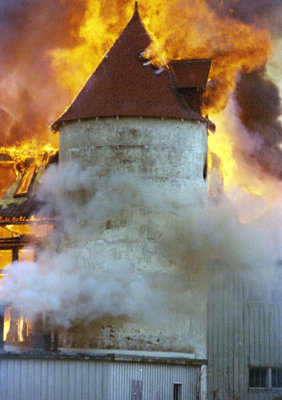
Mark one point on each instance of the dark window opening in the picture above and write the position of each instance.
(276, 377)
(257, 377)
(177, 391)
(192, 97)
(109, 224)
(205, 170)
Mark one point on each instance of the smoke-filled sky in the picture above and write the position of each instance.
(261, 12)
(29, 96)
(257, 96)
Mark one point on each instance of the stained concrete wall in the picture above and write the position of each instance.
(170, 156)
(153, 148)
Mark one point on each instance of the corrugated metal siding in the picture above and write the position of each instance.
(157, 380)
(241, 333)
(265, 334)
(35, 379)
(44, 379)
(227, 367)
(264, 395)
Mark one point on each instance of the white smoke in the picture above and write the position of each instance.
(70, 282)
(52, 285)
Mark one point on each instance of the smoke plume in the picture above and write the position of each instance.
(72, 282)
(68, 280)
(267, 14)
(258, 97)
(29, 96)
(259, 102)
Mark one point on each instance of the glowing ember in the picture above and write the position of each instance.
(20, 153)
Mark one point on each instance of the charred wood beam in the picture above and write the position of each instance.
(25, 220)
(18, 242)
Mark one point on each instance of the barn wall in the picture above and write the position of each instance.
(47, 379)
(227, 369)
(243, 332)
(157, 381)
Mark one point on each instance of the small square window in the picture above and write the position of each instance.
(276, 377)
(257, 377)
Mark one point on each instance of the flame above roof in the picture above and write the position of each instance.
(122, 86)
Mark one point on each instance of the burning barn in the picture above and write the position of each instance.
(126, 317)
(141, 127)
(22, 232)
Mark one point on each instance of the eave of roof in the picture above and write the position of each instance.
(122, 86)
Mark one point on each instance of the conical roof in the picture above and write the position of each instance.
(122, 86)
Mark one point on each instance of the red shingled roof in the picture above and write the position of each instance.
(123, 86)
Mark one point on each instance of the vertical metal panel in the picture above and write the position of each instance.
(136, 390)
(265, 322)
(35, 379)
(157, 380)
(240, 333)
(226, 337)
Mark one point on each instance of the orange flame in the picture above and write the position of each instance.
(28, 150)
(14, 160)
(233, 167)
(21, 329)
(7, 323)
(178, 32)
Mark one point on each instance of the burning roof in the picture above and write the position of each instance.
(19, 202)
(126, 84)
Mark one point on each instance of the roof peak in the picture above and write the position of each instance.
(136, 11)
(124, 85)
